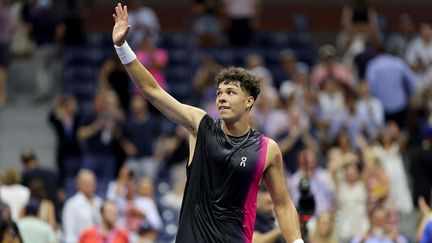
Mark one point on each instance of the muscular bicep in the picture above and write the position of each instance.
(182, 114)
(274, 175)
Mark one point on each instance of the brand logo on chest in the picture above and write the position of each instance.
(243, 161)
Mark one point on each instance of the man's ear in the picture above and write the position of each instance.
(250, 102)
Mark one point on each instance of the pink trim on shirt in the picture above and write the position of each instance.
(250, 204)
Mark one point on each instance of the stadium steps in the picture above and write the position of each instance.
(24, 124)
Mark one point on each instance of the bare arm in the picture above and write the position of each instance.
(86, 132)
(184, 115)
(285, 210)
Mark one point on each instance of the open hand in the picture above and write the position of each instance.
(121, 26)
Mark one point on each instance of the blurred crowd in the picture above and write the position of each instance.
(354, 127)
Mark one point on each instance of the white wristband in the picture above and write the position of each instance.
(125, 53)
(298, 241)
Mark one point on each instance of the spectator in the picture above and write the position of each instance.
(424, 229)
(265, 229)
(369, 106)
(9, 231)
(289, 67)
(356, 124)
(117, 189)
(295, 136)
(145, 23)
(65, 120)
(207, 24)
(426, 237)
(420, 168)
(325, 231)
(21, 45)
(351, 198)
(203, 82)
(398, 41)
(242, 19)
(391, 81)
(146, 203)
(100, 133)
(12, 193)
(380, 229)
(47, 211)
(113, 76)
(359, 26)
(83, 209)
(389, 151)
(6, 34)
(320, 181)
(146, 234)
(419, 56)
(331, 102)
(141, 133)
(375, 178)
(122, 193)
(330, 68)
(153, 58)
(48, 180)
(255, 64)
(33, 229)
(107, 231)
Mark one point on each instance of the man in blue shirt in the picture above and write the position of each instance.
(391, 81)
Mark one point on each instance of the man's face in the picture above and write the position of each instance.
(232, 101)
(109, 214)
(87, 185)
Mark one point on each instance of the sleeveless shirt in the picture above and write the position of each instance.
(219, 203)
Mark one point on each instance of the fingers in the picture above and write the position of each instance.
(115, 17)
(118, 10)
(121, 12)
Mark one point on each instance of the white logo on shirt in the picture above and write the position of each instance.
(243, 161)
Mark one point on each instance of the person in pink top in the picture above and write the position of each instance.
(331, 68)
(155, 59)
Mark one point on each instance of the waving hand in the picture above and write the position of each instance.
(121, 26)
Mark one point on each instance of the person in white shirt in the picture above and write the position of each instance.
(83, 209)
(12, 193)
(145, 203)
(370, 106)
(419, 56)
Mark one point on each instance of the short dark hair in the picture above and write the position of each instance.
(247, 81)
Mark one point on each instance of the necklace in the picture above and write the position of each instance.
(237, 141)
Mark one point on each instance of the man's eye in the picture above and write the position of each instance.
(231, 92)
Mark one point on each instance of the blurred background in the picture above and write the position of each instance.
(346, 91)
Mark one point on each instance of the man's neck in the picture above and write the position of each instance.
(236, 129)
(106, 228)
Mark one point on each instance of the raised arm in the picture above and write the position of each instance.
(184, 115)
(284, 208)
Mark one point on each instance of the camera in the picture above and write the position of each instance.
(306, 205)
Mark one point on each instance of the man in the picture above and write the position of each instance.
(391, 80)
(227, 157)
(107, 231)
(81, 210)
(381, 229)
(33, 173)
